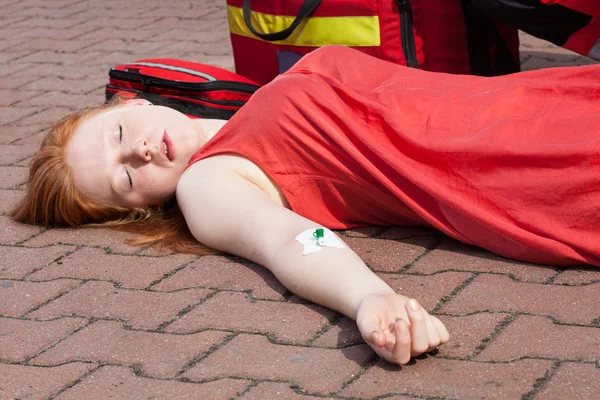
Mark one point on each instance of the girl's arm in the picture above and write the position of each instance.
(227, 212)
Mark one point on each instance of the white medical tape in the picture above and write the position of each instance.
(313, 244)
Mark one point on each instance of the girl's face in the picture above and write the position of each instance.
(132, 155)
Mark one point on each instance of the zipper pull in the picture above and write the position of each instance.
(403, 5)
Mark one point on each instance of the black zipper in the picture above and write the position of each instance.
(407, 36)
(232, 103)
(183, 86)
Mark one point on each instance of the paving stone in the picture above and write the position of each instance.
(225, 61)
(132, 272)
(453, 255)
(198, 11)
(70, 86)
(15, 262)
(57, 34)
(287, 322)
(9, 43)
(428, 290)
(468, 332)
(48, 117)
(52, 4)
(18, 297)
(341, 334)
(401, 232)
(13, 114)
(122, 383)
(133, 36)
(9, 199)
(197, 36)
(103, 21)
(275, 390)
(190, 25)
(7, 81)
(59, 99)
(64, 48)
(22, 339)
(13, 55)
(120, 12)
(127, 45)
(364, 231)
(9, 134)
(450, 378)
(12, 232)
(56, 70)
(139, 309)
(537, 337)
(37, 383)
(548, 59)
(572, 381)
(231, 275)
(157, 252)
(198, 51)
(579, 276)
(11, 177)
(41, 22)
(159, 355)
(389, 255)
(59, 45)
(251, 356)
(12, 69)
(8, 97)
(105, 238)
(569, 304)
(34, 139)
(23, 163)
(124, 45)
(12, 153)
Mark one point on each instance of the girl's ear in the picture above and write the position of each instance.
(137, 102)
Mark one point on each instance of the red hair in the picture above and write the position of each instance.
(52, 199)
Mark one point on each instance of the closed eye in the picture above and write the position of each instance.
(129, 177)
(120, 133)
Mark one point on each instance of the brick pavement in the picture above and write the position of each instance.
(83, 315)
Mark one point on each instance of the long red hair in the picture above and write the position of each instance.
(52, 199)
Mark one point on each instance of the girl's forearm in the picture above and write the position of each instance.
(334, 278)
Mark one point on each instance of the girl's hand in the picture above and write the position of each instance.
(398, 328)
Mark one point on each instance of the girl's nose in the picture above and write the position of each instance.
(141, 150)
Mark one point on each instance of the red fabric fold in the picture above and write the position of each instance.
(508, 163)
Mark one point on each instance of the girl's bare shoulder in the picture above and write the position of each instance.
(231, 165)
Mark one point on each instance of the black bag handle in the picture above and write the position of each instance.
(306, 9)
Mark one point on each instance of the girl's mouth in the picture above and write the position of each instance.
(167, 147)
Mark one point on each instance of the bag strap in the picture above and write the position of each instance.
(306, 9)
(480, 29)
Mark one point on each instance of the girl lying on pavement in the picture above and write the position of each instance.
(342, 140)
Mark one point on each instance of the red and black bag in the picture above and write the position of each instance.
(573, 24)
(192, 88)
(269, 36)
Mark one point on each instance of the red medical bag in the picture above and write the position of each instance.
(269, 36)
(194, 89)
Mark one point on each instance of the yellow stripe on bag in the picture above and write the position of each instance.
(312, 32)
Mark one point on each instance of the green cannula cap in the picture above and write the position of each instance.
(319, 233)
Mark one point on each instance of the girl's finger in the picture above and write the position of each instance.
(418, 328)
(401, 351)
(442, 331)
(377, 337)
(371, 331)
(432, 333)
